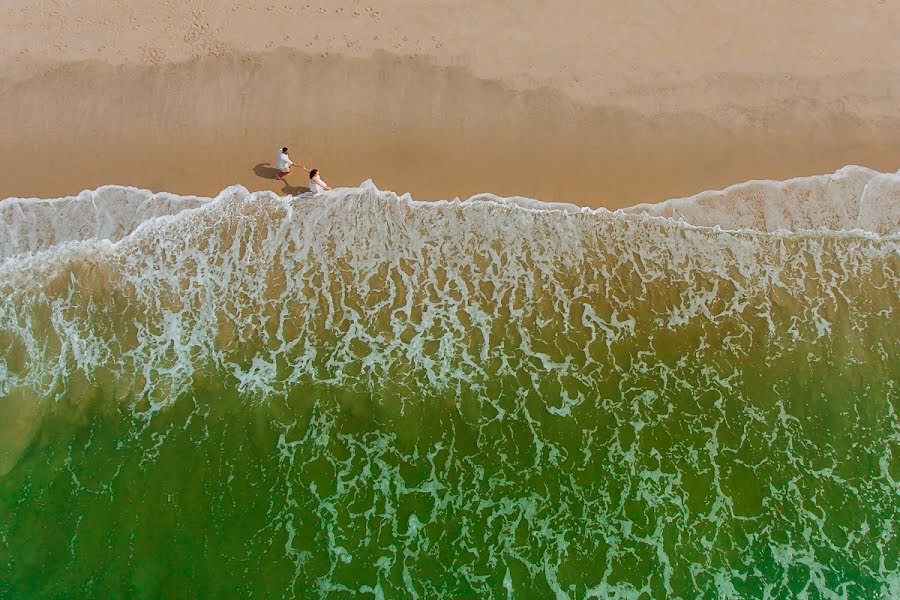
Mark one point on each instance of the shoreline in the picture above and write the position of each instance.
(437, 132)
(852, 202)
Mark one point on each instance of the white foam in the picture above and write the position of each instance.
(851, 199)
(109, 212)
(385, 280)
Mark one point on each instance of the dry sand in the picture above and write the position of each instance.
(599, 103)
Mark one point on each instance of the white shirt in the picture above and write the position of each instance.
(283, 163)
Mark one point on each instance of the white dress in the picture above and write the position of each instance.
(314, 187)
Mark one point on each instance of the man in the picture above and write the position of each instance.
(284, 163)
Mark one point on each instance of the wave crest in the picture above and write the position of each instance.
(852, 199)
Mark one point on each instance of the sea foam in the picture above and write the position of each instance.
(853, 198)
(482, 397)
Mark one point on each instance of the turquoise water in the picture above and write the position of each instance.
(358, 395)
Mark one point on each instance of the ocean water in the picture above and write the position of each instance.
(361, 395)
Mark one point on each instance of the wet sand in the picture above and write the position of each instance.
(639, 107)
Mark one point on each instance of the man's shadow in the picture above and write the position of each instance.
(267, 171)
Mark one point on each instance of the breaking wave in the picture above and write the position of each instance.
(853, 198)
(358, 393)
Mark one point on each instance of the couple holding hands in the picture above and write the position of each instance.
(284, 163)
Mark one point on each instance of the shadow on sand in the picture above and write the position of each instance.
(294, 190)
(265, 170)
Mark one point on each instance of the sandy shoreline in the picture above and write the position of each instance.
(641, 108)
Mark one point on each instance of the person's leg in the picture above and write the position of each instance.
(282, 175)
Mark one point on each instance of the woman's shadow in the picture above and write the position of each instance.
(267, 171)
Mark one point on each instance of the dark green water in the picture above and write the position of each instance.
(362, 397)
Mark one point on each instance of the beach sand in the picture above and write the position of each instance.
(601, 104)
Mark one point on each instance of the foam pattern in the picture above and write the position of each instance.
(358, 394)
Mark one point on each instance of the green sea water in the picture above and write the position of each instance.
(358, 395)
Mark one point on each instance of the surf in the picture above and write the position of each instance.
(853, 198)
(711, 380)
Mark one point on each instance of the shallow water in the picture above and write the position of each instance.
(362, 395)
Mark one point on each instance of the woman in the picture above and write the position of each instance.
(316, 185)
